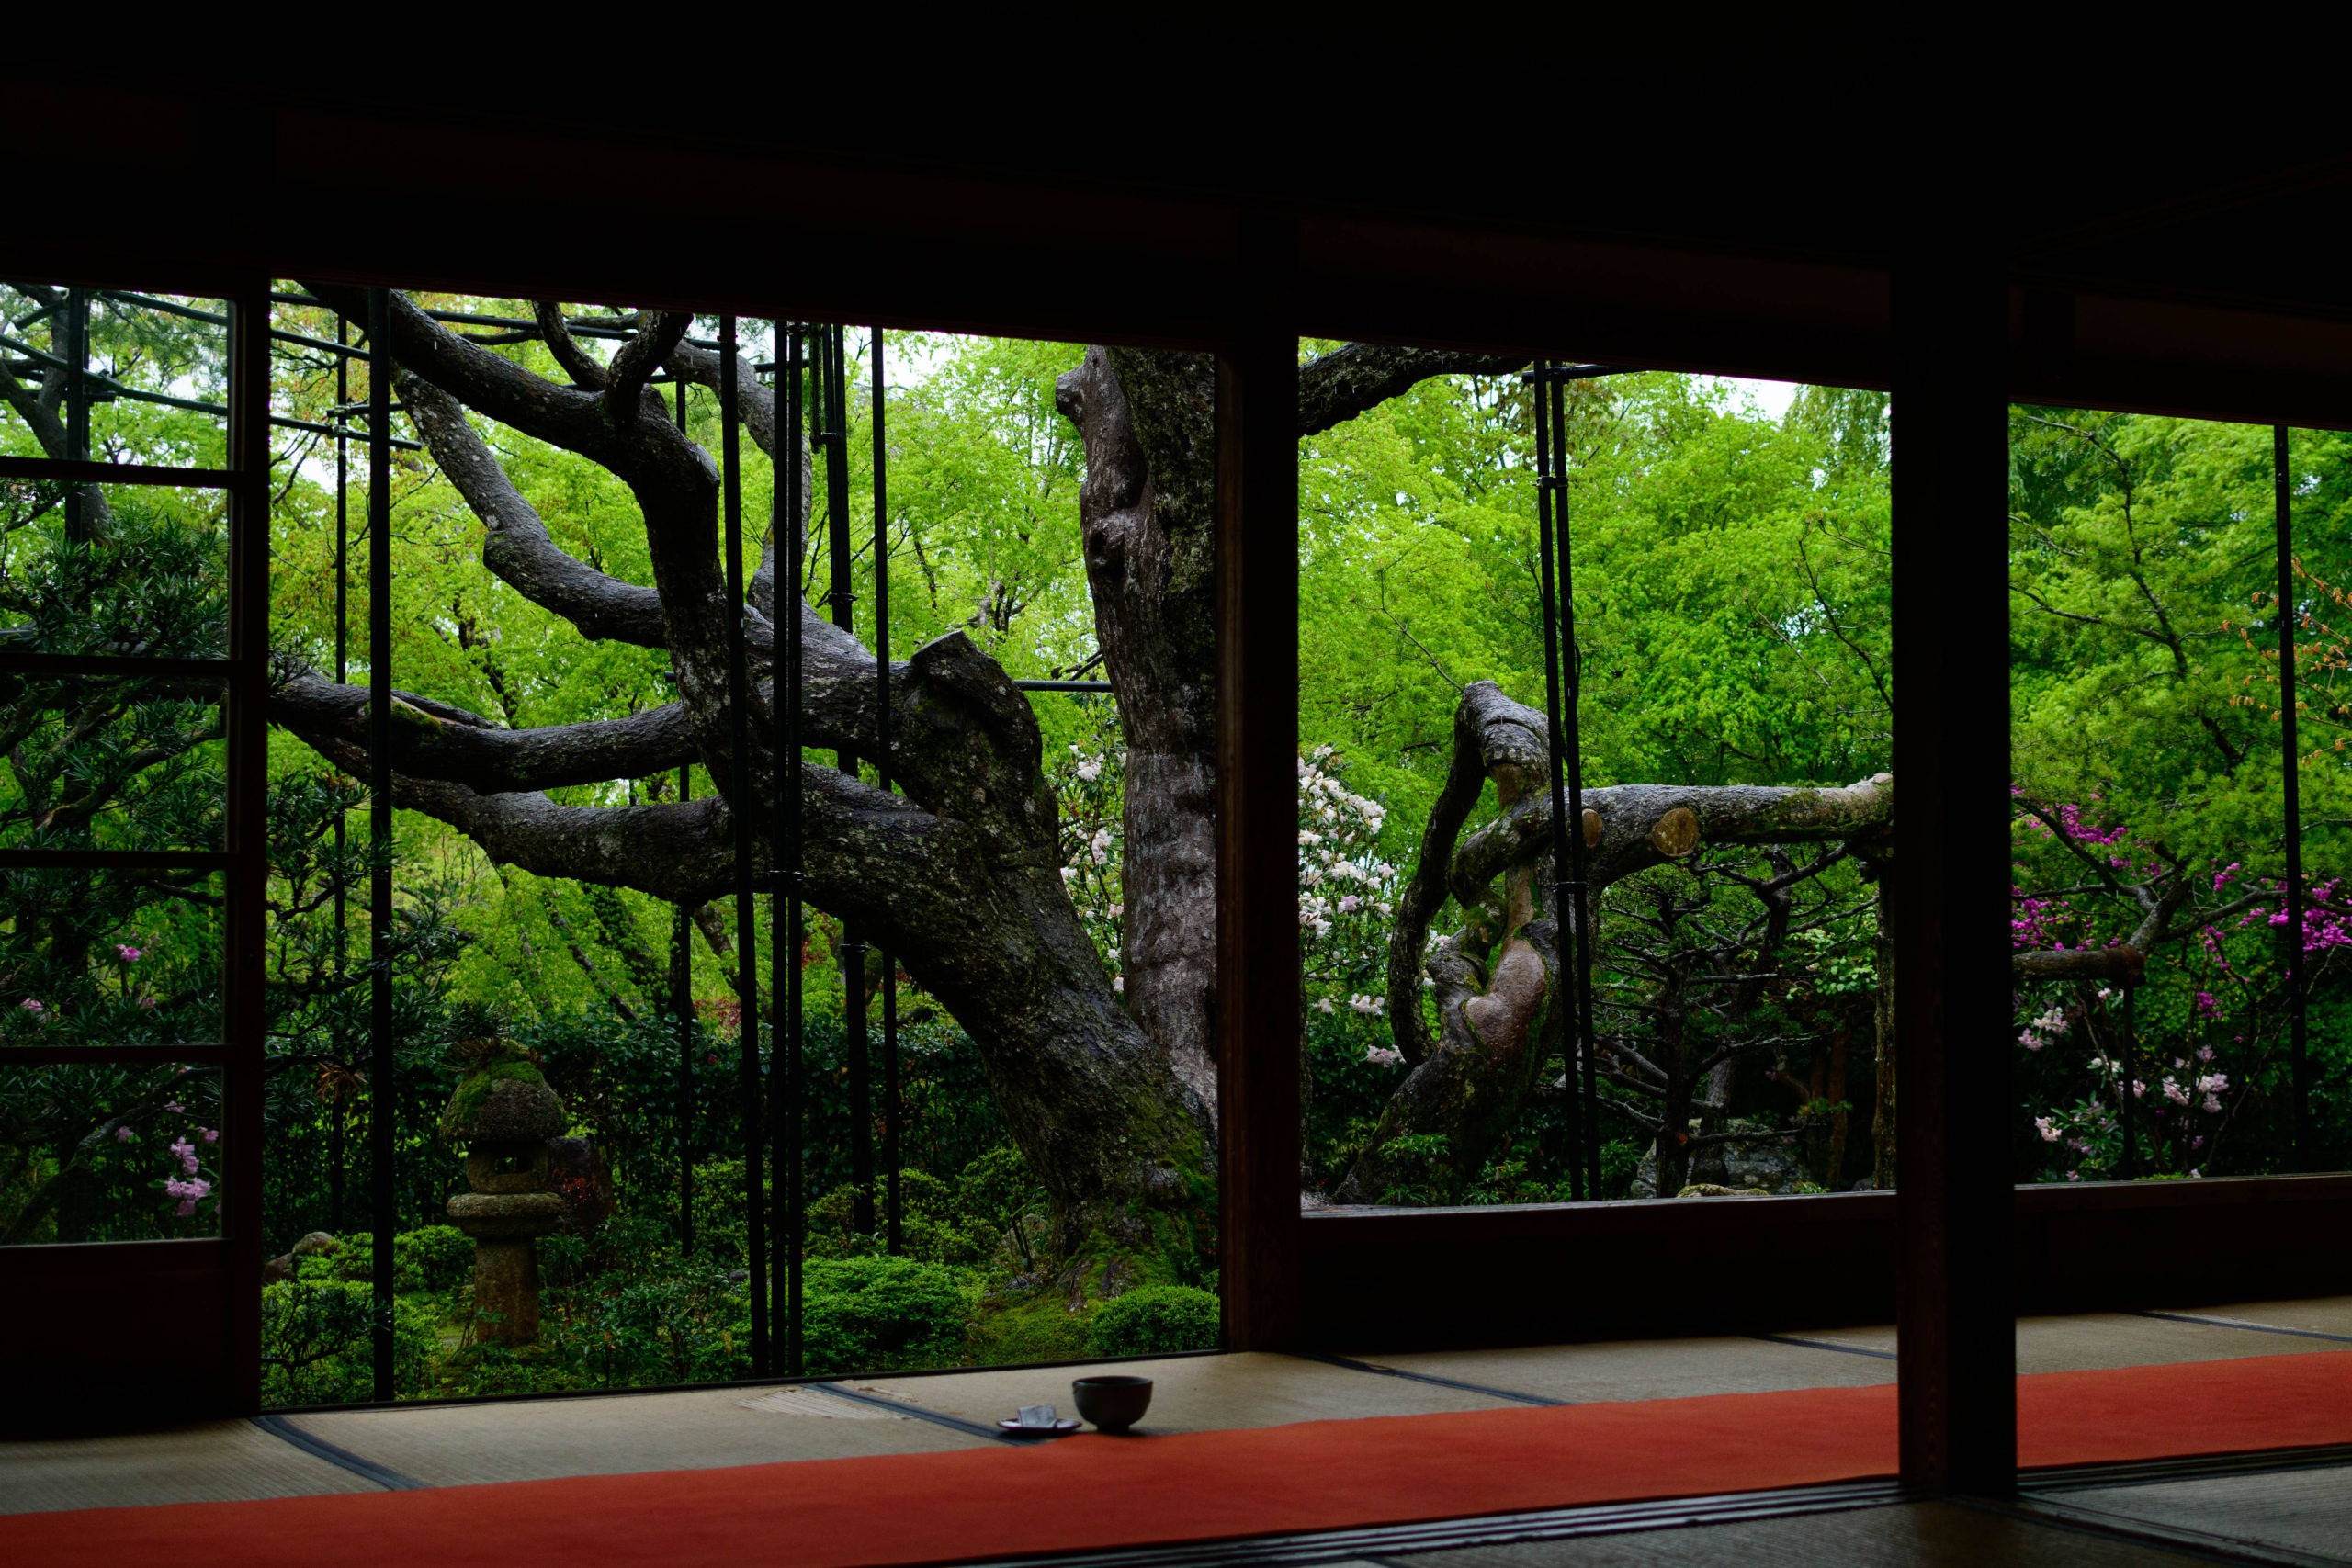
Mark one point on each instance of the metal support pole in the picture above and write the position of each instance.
(682, 992)
(243, 1083)
(833, 436)
(785, 1083)
(381, 1099)
(2291, 782)
(1568, 888)
(893, 1211)
(77, 406)
(337, 1110)
(1572, 696)
(682, 1009)
(739, 793)
(2127, 1099)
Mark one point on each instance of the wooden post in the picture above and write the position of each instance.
(248, 834)
(1957, 1376)
(1257, 994)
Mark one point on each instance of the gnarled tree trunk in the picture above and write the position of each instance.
(1498, 981)
(959, 876)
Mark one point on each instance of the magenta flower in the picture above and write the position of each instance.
(30, 1006)
(187, 1193)
(127, 954)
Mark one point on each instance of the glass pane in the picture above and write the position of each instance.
(110, 958)
(154, 382)
(649, 1275)
(113, 570)
(1730, 602)
(109, 1153)
(2154, 1026)
(112, 763)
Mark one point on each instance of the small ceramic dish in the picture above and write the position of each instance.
(1062, 1428)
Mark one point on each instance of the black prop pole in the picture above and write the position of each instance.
(336, 1154)
(682, 1012)
(894, 1213)
(739, 793)
(785, 1081)
(1579, 902)
(77, 407)
(682, 992)
(2127, 1099)
(2291, 783)
(1546, 485)
(834, 374)
(380, 1097)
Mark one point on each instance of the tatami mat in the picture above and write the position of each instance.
(2303, 1510)
(448, 1445)
(2329, 1315)
(2095, 1340)
(1198, 1393)
(1914, 1535)
(458, 1445)
(218, 1461)
(1647, 1369)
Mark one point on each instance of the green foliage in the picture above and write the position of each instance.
(998, 1194)
(316, 1349)
(438, 1257)
(2144, 690)
(1155, 1319)
(870, 1313)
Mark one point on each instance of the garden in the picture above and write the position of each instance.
(1005, 971)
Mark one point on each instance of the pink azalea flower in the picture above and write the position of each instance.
(127, 954)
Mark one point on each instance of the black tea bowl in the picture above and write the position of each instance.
(1113, 1403)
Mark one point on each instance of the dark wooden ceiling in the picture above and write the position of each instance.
(1650, 185)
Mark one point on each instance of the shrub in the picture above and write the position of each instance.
(1154, 1319)
(662, 1319)
(316, 1349)
(929, 1224)
(435, 1257)
(863, 1314)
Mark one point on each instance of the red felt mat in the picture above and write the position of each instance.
(1092, 1492)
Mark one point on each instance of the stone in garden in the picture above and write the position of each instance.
(281, 1267)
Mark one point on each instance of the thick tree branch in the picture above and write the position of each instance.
(431, 740)
(583, 367)
(639, 357)
(1425, 892)
(1338, 385)
(516, 544)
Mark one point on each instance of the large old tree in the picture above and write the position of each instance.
(1111, 1098)
(1111, 1101)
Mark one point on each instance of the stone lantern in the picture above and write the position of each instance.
(502, 1114)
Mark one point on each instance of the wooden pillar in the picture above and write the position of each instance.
(1957, 1377)
(247, 837)
(1257, 858)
